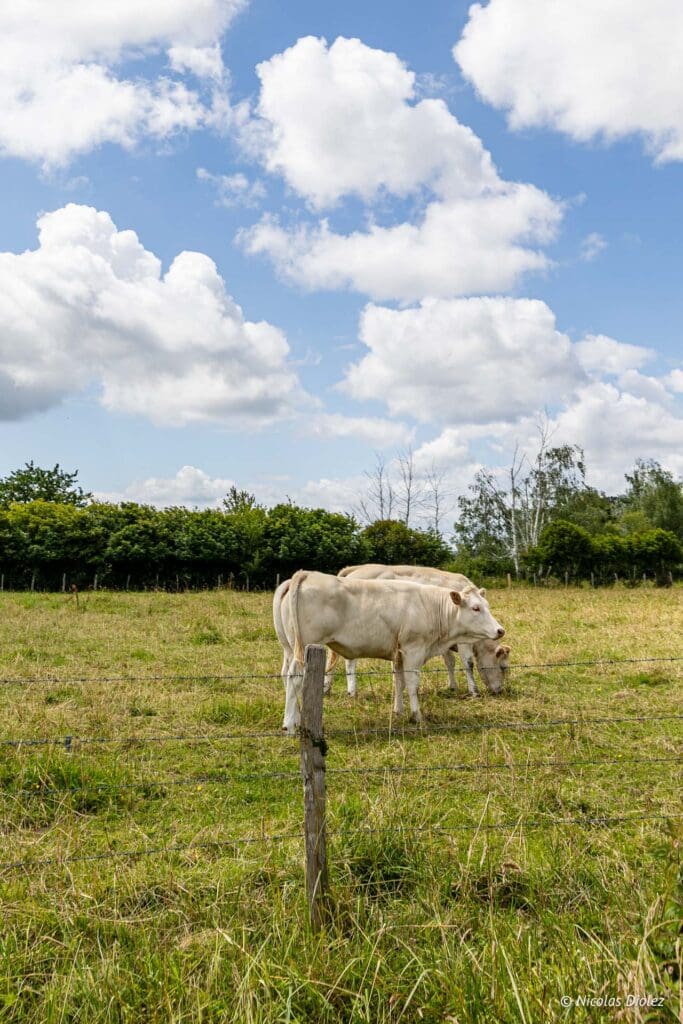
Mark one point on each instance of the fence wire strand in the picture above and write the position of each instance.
(513, 825)
(404, 730)
(216, 677)
(227, 778)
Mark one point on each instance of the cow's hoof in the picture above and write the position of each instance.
(474, 695)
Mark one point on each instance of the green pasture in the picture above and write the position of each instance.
(479, 872)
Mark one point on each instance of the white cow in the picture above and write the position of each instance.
(395, 620)
(492, 658)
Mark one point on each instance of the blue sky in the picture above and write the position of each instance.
(412, 244)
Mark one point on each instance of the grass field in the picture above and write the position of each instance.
(440, 915)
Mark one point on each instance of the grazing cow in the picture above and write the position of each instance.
(395, 620)
(492, 658)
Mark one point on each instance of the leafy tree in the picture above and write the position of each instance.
(506, 511)
(565, 548)
(237, 501)
(654, 492)
(305, 538)
(35, 484)
(658, 552)
(392, 542)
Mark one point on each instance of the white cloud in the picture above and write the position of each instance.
(339, 120)
(61, 91)
(343, 121)
(674, 380)
(598, 353)
(463, 360)
(201, 61)
(608, 69)
(190, 486)
(457, 248)
(378, 432)
(91, 306)
(591, 246)
(233, 189)
(616, 427)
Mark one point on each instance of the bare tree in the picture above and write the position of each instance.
(410, 498)
(379, 499)
(435, 501)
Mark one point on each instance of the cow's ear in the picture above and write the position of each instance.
(456, 597)
(502, 650)
(482, 591)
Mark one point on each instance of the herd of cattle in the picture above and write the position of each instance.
(404, 614)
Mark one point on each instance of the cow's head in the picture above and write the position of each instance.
(474, 617)
(493, 662)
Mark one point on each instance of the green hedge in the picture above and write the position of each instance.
(567, 550)
(138, 546)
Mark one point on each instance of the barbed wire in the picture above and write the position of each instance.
(38, 791)
(217, 677)
(405, 729)
(509, 825)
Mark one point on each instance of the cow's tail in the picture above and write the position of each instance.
(297, 580)
(279, 597)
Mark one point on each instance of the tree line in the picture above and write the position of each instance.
(71, 539)
(536, 520)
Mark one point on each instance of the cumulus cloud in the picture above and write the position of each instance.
(91, 306)
(599, 354)
(339, 120)
(463, 360)
(605, 70)
(64, 88)
(381, 433)
(343, 120)
(616, 427)
(190, 486)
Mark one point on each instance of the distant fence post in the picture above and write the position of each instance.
(277, 580)
(313, 749)
(64, 583)
(509, 580)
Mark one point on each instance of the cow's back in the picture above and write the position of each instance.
(414, 573)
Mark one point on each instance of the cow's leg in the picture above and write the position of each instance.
(284, 671)
(411, 672)
(351, 678)
(449, 662)
(330, 666)
(467, 657)
(293, 695)
(399, 684)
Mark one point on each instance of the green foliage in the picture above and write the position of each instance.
(31, 483)
(565, 548)
(394, 543)
(655, 494)
(141, 546)
(296, 538)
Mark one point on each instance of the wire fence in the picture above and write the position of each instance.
(403, 729)
(46, 789)
(511, 825)
(150, 782)
(241, 676)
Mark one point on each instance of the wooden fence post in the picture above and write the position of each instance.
(313, 749)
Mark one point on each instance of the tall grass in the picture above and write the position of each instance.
(438, 915)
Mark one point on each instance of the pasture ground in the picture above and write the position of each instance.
(436, 919)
